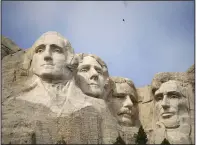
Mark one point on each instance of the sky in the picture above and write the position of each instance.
(156, 36)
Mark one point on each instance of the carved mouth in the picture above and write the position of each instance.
(47, 65)
(167, 114)
(127, 114)
(92, 84)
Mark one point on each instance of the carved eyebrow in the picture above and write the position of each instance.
(56, 46)
(84, 66)
(119, 94)
(97, 67)
(175, 93)
(39, 46)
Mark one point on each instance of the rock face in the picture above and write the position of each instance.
(8, 47)
(12, 80)
(56, 99)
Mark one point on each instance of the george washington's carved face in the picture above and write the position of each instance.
(90, 77)
(50, 57)
(170, 103)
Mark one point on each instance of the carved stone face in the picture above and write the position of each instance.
(90, 77)
(49, 59)
(170, 104)
(123, 104)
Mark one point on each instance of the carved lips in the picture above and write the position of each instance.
(50, 65)
(126, 113)
(167, 114)
(93, 84)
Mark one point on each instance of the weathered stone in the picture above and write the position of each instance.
(52, 103)
(8, 47)
(172, 118)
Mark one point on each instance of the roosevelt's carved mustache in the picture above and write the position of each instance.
(126, 111)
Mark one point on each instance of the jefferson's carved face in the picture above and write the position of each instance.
(123, 104)
(170, 103)
(49, 59)
(90, 77)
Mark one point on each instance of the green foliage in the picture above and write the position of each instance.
(165, 142)
(141, 137)
(61, 141)
(119, 141)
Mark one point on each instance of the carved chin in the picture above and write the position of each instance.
(93, 93)
(125, 121)
(172, 122)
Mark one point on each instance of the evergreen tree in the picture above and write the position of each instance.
(61, 141)
(165, 142)
(33, 138)
(141, 137)
(119, 141)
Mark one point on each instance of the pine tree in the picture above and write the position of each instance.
(61, 141)
(165, 142)
(119, 141)
(141, 137)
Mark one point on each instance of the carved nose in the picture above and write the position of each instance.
(128, 103)
(165, 102)
(47, 54)
(94, 74)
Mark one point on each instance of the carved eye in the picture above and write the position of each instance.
(99, 71)
(57, 50)
(158, 97)
(83, 70)
(174, 96)
(120, 96)
(40, 49)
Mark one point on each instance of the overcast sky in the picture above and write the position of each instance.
(156, 36)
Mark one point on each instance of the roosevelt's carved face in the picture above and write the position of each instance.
(123, 104)
(50, 57)
(170, 104)
(90, 77)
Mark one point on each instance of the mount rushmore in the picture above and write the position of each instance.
(50, 93)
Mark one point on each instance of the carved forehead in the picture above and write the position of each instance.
(51, 38)
(88, 60)
(120, 83)
(123, 80)
(170, 86)
(123, 88)
(80, 57)
(172, 81)
(98, 59)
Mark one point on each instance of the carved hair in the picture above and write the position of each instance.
(181, 78)
(79, 59)
(120, 80)
(30, 52)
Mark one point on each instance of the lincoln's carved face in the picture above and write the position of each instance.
(170, 103)
(90, 77)
(50, 57)
(123, 104)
